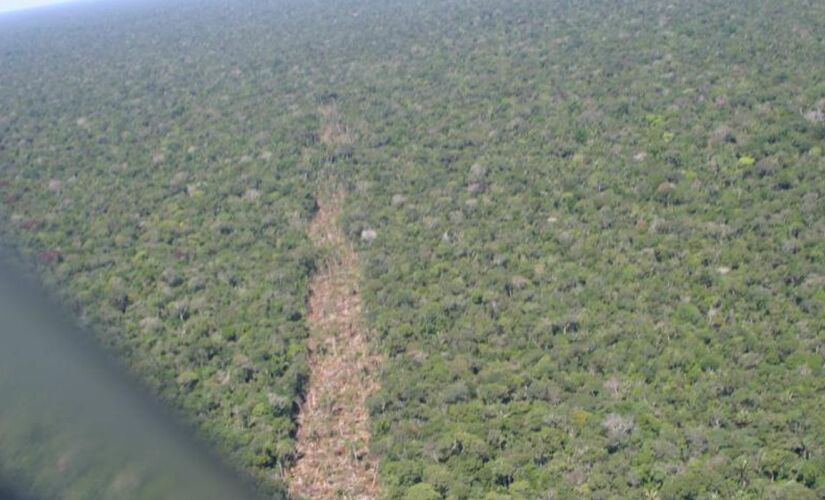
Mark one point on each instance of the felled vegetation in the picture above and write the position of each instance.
(334, 458)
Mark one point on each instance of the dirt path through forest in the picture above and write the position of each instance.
(333, 435)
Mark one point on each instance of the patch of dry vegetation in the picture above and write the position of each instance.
(334, 132)
(333, 436)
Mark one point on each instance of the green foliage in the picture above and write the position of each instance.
(600, 228)
(172, 197)
(422, 491)
(666, 315)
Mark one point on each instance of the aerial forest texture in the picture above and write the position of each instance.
(581, 244)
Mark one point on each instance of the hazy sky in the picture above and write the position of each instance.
(11, 5)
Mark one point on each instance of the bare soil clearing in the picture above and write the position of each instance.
(333, 436)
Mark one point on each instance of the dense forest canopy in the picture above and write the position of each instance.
(591, 233)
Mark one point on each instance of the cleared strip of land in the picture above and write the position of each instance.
(333, 436)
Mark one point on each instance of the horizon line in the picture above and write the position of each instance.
(26, 5)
